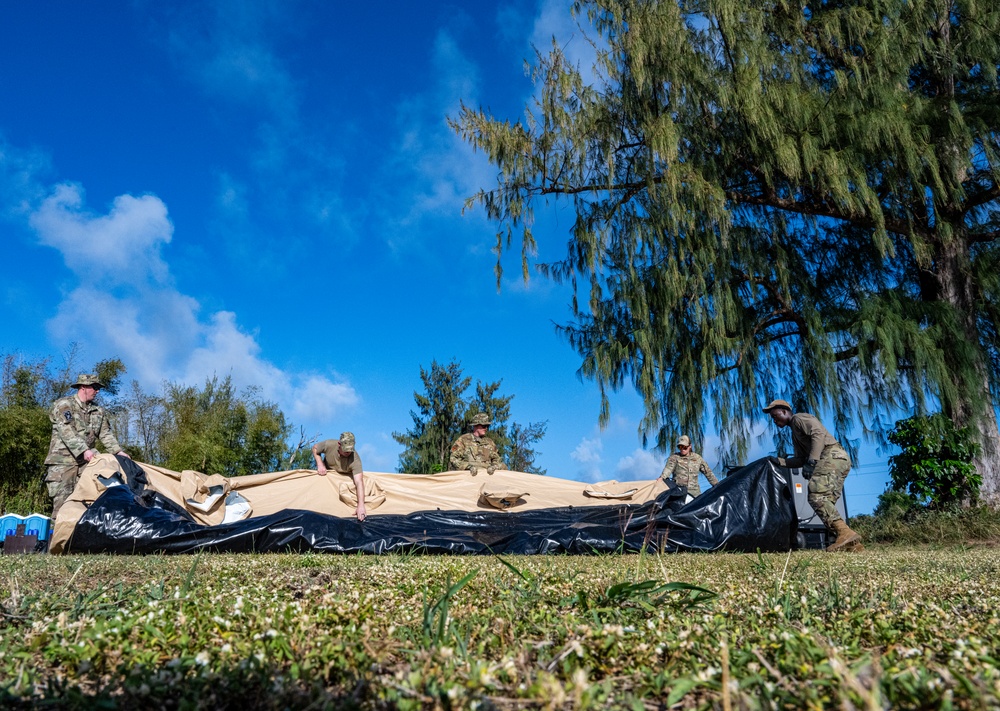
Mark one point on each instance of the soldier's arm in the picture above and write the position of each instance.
(669, 467)
(459, 456)
(107, 436)
(709, 474)
(811, 428)
(359, 484)
(320, 464)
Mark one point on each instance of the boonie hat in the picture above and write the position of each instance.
(480, 418)
(684, 441)
(87, 379)
(778, 403)
(346, 442)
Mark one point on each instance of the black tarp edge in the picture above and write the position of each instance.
(749, 510)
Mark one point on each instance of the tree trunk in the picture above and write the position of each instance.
(956, 287)
(988, 461)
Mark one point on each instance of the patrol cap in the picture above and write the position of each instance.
(87, 379)
(778, 403)
(684, 441)
(347, 442)
(480, 418)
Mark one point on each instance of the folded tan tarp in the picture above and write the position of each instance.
(210, 498)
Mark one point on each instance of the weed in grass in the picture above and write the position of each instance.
(435, 617)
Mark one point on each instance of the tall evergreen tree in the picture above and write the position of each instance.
(443, 413)
(437, 420)
(772, 198)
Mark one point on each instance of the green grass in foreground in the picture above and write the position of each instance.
(889, 628)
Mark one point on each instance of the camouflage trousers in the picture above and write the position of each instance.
(827, 484)
(60, 480)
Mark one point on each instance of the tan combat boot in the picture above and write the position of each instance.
(846, 538)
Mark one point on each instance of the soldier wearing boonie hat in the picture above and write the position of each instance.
(474, 450)
(77, 424)
(684, 466)
(825, 463)
(338, 455)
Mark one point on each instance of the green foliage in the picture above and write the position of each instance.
(219, 431)
(895, 505)
(24, 441)
(110, 372)
(437, 421)
(443, 414)
(27, 389)
(769, 198)
(520, 453)
(214, 429)
(647, 595)
(934, 465)
(435, 622)
(204, 632)
(928, 527)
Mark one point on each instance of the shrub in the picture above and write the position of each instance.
(935, 465)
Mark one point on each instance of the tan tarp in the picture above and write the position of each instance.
(304, 489)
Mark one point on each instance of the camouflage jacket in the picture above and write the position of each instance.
(685, 471)
(480, 452)
(76, 427)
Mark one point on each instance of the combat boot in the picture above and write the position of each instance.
(846, 538)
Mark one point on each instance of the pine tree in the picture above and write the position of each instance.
(437, 421)
(772, 199)
(443, 414)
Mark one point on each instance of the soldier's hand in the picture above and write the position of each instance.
(807, 470)
(776, 461)
(473, 470)
(89, 454)
(490, 470)
(123, 453)
(321, 470)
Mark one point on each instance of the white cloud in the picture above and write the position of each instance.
(318, 399)
(640, 465)
(120, 247)
(381, 457)
(444, 168)
(225, 45)
(157, 331)
(588, 455)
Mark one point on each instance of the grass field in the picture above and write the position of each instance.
(889, 628)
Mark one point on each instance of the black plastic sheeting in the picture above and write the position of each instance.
(750, 510)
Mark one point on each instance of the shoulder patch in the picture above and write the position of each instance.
(67, 416)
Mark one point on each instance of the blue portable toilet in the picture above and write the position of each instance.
(9, 524)
(38, 525)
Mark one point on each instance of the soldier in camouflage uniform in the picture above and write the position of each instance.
(474, 450)
(684, 466)
(338, 455)
(824, 463)
(77, 423)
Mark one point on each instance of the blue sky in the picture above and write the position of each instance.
(269, 190)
